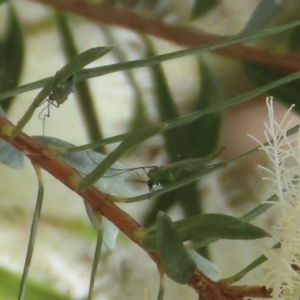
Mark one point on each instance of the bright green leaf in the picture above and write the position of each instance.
(211, 226)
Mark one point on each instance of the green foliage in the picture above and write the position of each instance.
(203, 134)
(261, 75)
(176, 261)
(190, 142)
(210, 226)
(59, 79)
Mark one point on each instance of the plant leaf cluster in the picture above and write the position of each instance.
(193, 135)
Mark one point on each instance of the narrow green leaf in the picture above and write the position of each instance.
(176, 261)
(96, 220)
(104, 70)
(165, 105)
(203, 134)
(11, 55)
(96, 259)
(261, 75)
(33, 233)
(79, 61)
(107, 141)
(211, 226)
(257, 262)
(194, 116)
(201, 7)
(254, 213)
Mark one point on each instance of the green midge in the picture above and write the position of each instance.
(173, 172)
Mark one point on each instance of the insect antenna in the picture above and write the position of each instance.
(121, 171)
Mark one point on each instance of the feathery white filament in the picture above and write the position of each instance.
(284, 153)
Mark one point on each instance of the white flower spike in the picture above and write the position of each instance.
(282, 266)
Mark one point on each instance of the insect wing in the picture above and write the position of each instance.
(187, 165)
(194, 164)
(178, 170)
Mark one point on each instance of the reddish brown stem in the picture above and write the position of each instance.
(104, 13)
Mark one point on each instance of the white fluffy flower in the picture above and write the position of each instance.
(284, 153)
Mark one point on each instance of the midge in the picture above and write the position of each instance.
(173, 172)
(58, 96)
